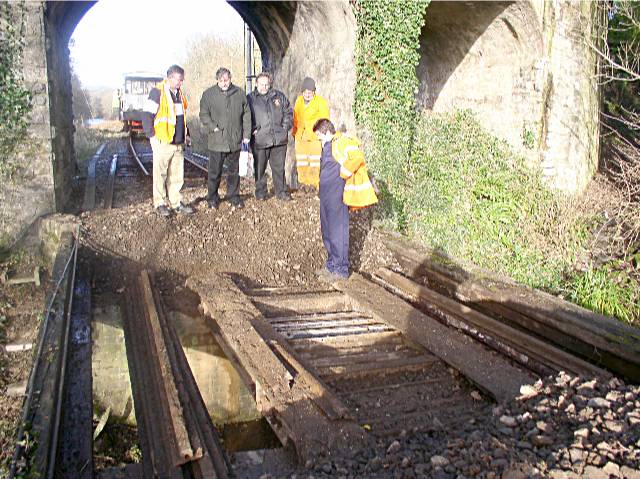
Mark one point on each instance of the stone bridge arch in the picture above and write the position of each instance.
(517, 64)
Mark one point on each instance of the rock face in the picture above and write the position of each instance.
(517, 60)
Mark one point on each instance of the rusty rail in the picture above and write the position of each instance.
(176, 435)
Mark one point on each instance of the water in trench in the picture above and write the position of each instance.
(230, 404)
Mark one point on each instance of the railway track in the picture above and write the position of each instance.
(126, 168)
(54, 436)
(332, 369)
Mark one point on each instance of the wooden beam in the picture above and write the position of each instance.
(490, 372)
(291, 304)
(600, 339)
(281, 398)
(553, 357)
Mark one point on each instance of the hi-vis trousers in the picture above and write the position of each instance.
(168, 173)
(308, 162)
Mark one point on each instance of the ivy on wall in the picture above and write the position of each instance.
(15, 100)
(386, 84)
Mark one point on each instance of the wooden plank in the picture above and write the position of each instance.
(387, 367)
(601, 339)
(323, 351)
(314, 317)
(288, 403)
(323, 396)
(89, 202)
(339, 342)
(292, 304)
(490, 372)
(341, 331)
(539, 350)
(331, 324)
(367, 358)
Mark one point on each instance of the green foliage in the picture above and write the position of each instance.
(609, 290)
(15, 102)
(386, 83)
(469, 196)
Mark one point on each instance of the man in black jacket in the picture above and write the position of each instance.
(226, 118)
(271, 120)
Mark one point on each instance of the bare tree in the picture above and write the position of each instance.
(618, 49)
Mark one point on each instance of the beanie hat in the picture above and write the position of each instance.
(308, 84)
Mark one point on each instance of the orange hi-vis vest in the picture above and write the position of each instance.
(358, 190)
(164, 123)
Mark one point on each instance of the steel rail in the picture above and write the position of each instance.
(137, 158)
(38, 362)
(108, 198)
(53, 449)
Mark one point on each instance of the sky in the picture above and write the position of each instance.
(119, 36)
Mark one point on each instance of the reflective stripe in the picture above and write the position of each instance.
(363, 186)
(179, 108)
(350, 148)
(171, 121)
(302, 163)
(314, 157)
(314, 164)
(301, 157)
(345, 172)
(150, 106)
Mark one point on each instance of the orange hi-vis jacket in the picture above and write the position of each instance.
(358, 190)
(308, 147)
(164, 122)
(305, 116)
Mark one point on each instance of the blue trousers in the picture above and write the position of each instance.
(334, 220)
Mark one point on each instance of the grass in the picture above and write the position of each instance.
(467, 194)
(608, 289)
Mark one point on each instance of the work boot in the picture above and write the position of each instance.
(163, 211)
(284, 197)
(213, 203)
(237, 203)
(184, 209)
(329, 277)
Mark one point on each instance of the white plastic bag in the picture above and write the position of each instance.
(243, 167)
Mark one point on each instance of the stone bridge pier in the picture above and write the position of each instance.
(524, 67)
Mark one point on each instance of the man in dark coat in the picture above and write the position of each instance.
(226, 117)
(271, 120)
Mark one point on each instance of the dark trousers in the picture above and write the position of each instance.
(275, 157)
(217, 160)
(334, 221)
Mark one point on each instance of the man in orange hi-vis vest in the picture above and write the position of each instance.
(308, 109)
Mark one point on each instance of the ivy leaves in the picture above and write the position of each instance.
(386, 60)
(15, 100)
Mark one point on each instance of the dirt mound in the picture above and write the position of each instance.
(269, 242)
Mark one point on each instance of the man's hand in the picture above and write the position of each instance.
(245, 141)
(187, 140)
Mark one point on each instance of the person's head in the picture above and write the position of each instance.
(308, 88)
(175, 76)
(223, 77)
(263, 82)
(324, 130)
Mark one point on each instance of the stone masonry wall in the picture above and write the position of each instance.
(30, 194)
(570, 142)
(526, 70)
